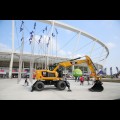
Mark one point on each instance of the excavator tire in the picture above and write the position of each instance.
(39, 86)
(61, 85)
(55, 85)
(97, 87)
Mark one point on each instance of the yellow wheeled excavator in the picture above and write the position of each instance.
(54, 75)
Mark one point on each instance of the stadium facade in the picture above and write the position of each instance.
(39, 62)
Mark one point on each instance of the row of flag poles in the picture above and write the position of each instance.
(32, 43)
(111, 71)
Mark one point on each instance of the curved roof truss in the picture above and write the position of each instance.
(73, 29)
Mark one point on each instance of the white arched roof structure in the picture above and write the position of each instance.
(73, 29)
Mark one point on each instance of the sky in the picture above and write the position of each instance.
(66, 43)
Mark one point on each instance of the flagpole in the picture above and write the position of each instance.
(32, 53)
(12, 55)
(21, 53)
(47, 58)
(111, 72)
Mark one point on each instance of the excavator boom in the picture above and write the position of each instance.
(76, 61)
(97, 87)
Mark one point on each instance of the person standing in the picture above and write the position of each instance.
(93, 80)
(26, 82)
(75, 78)
(88, 80)
(81, 80)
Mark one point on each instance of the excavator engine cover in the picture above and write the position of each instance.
(97, 87)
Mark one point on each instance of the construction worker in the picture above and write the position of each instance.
(88, 79)
(26, 82)
(67, 83)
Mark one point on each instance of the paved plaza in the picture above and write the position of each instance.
(10, 90)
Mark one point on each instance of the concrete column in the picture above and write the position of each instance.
(42, 65)
(35, 66)
(23, 66)
(31, 71)
(12, 55)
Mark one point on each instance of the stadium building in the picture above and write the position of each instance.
(39, 62)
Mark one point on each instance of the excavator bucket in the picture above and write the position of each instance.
(97, 87)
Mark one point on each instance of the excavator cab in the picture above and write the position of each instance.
(59, 70)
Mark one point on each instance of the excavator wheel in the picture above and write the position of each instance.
(39, 86)
(61, 85)
(97, 87)
(55, 85)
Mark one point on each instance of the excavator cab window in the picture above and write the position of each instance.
(51, 74)
(51, 67)
(60, 73)
(44, 74)
(47, 74)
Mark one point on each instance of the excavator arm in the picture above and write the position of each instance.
(97, 87)
(87, 60)
(91, 66)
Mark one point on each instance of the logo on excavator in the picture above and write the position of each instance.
(73, 62)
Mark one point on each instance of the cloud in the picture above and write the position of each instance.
(52, 47)
(110, 45)
(4, 48)
(69, 54)
(62, 53)
(77, 55)
(42, 46)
